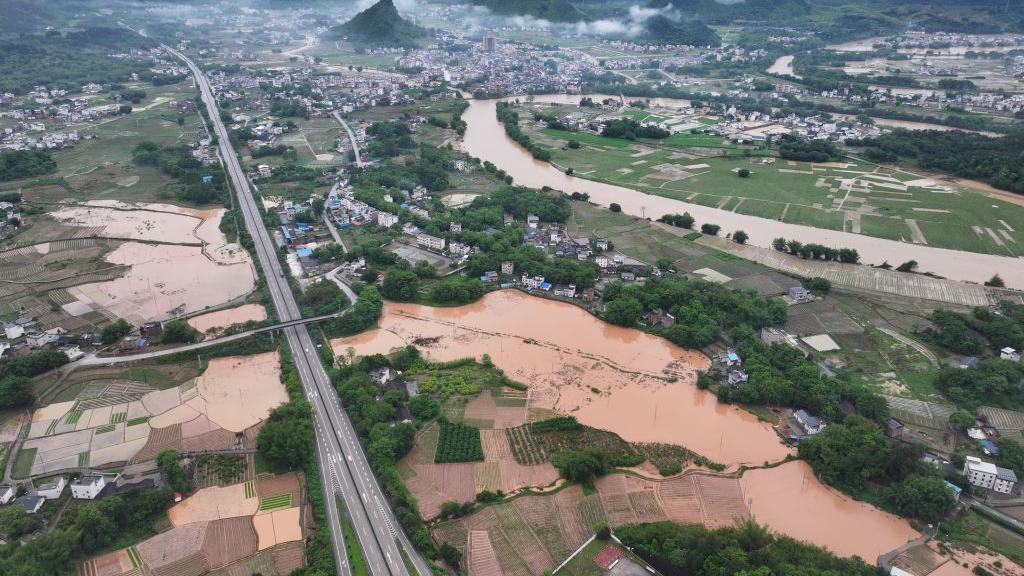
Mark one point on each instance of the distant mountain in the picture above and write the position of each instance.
(722, 12)
(379, 25)
(662, 30)
(550, 10)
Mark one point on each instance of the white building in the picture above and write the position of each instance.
(88, 487)
(989, 476)
(431, 242)
(1009, 354)
(52, 490)
(386, 219)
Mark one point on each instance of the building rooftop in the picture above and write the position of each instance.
(1005, 474)
(978, 465)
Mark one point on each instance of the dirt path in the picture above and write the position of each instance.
(913, 344)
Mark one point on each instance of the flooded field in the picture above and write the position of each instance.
(789, 499)
(484, 139)
(783, 65)
(178, 259)
(564, 354)
(224, 318)
(538, 342)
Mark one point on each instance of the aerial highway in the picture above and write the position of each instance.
(344, 467)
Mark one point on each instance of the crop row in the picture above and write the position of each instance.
(458, 443)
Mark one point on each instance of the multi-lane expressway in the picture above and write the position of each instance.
(344, 468)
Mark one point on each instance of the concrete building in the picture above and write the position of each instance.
(811, 424)
(386, 219)
(508, 268)
(490, 43)
(1009, 354)
(989, 476)
(88, 487)
(31, 504)
(430, 242)
(52, 490)
(7, 493)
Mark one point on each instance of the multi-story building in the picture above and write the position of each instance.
(989, 476)
(430, 242)
(386, 219)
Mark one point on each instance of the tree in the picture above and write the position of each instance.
(16, 391)
(624, 311)
(908, 266)
(602, 531)
(925, 497)
(286, 439)
(996, 281)
(569, 171)
(614, 207)
(819, 284)
(401, 285)
(169, 463)
(779, 244)
(113, 332)
(710, 229)
(96, 529)
(15, 522)
(178, 331)
(740, 237)
(423, 407)
(794, 246)
(573, 144)
(686, 220)
(450, 555)
(581, 466)
(962, 419)
(743, 173)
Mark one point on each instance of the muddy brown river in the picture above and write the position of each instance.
(485, 139)
(641, 387)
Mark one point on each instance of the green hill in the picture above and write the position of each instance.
(379, 25)
(550, 10)
(662, 30)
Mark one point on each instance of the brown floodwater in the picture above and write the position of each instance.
(790, 499)
(486, 140)
(783, 65)
(609, 377)
(228, 317)
(163, 280)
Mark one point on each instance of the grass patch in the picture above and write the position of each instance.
(692, 236)
(276, 501)
(356, 560)
(458, 443)
(23, 462)
(972, 530)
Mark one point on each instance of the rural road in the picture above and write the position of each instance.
(342, 461)
(351, 137)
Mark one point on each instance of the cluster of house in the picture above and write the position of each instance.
(85, 487)
(22, 336)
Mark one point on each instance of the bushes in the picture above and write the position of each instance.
(16, 391)
(401, 285)
(32, 364)
(113, 332)
(457, 290)
(178, 331)
(749, 549)
(684, 220)
(816, 251)
(819, 284)
(458, 443)
(710, 229)
(581, 466)
(285, 438)
(556, 424)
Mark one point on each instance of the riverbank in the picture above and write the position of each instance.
(484, 138)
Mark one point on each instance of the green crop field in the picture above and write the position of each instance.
(250, 489)
(860, 197)
(118, 417)
(134, 556)
(458, 443)
(276, 501)
(105, 428)
(137, 421)
(83, 459)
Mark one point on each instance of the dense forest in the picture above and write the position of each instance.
(193, 182)
(997, 161)
(378, 25)
(68, 61)
(17, 164)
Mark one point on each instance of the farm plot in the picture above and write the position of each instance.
(213, 503)
(269, 503)
(525, 449)
(505, 411)
(458, 443)
(229, 540)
